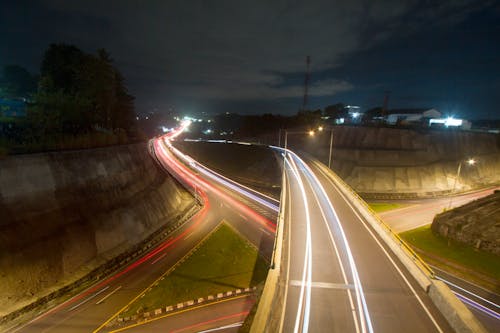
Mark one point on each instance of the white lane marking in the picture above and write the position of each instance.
(191, 234)
(105, 297)
(306, 275)
(385, 252)
(88, 299)
(468, 292)
(243, 217)
(467, 301)
(360, 295)
(324, 285)
(342, 269)
(361, 301)
(238, 324)
(159, 258)
(467, 282)
(265, 231)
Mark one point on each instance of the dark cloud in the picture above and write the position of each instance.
(172, 51)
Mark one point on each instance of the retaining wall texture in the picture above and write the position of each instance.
(64, 214)
(377, 161)
(476, 223)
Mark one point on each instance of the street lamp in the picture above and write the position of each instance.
(321, 128)
(310, 132)
(470, 161)
(331, 146)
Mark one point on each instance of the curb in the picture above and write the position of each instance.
(148, 315)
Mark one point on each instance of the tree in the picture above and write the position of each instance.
(336, 111)
(62, 64)
(309, 118)
(372, 114)
(81, 92)
(17, 82)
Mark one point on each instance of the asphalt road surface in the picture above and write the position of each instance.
(340, 275)
(421, 212)
(92, 309)
(229, 318)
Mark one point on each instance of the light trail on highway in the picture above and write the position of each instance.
(196, 182)
(246, 191)
(304, 304)
(361, 318)
(88, 311)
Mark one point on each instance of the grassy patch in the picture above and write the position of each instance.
(225, 261)
(380, 207)
(449, 255)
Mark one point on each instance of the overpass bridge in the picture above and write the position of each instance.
(336, 269)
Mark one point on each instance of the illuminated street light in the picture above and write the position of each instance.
(470, 161)
(321, 128)
(311, 133)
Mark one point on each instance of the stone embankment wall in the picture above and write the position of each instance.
(407, 163)
(476, 224)
(64, 214)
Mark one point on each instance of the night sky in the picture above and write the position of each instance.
(249, 56)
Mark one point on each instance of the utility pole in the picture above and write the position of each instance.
(331, 147)
(306, 82)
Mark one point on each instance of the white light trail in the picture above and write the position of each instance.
(240, 188)
(364, 317)
(363, 307)
(307, 269)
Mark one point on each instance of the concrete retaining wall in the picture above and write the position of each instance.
(64, 214)
(381, 162)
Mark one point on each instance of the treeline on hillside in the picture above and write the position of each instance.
(80, 101)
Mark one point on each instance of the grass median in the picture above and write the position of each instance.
(224, 261)
(459, 259)
(381, 207)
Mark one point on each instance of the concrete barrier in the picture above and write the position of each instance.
(265, 308)
(417, 268)
(457, 314)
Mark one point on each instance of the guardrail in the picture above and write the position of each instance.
(405, 246)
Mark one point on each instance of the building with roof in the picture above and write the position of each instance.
(396, 116)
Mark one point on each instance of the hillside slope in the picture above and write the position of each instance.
(64, 214)
(476, 223)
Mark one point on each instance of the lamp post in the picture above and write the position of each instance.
(310, 132)
(331, 147)
(320, 128)
(470, 161)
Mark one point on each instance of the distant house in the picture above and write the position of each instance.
(411, 115)
(450, 122)
(12, 108)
